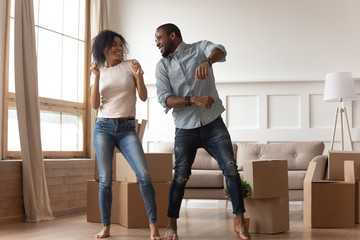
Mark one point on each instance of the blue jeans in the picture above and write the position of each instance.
(215, 139)
(119, 132)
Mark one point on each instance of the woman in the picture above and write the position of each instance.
(113, 86)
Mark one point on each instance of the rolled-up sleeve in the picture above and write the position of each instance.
(162, 85)
(208, 47)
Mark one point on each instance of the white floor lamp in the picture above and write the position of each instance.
(340, 87)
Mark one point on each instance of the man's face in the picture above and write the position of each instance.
(164, 42)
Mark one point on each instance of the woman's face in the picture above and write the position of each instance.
(115, 53)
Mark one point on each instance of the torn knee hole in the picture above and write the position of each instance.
(181, 180)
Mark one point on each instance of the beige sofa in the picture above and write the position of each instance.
(207, 182)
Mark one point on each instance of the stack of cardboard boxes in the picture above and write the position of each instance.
(333, 202)
(128, 208)
(268, 204)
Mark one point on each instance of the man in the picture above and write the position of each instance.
(185, 82)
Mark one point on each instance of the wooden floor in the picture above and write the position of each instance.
(193, 224)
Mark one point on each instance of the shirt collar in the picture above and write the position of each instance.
(179, 49)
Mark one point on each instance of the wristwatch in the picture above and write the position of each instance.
(208, 60)
(187, 101)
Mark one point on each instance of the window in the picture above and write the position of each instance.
(61, 43)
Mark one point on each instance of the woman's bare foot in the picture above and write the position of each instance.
(104, 233)
(171, 231)
(243, 231)
(154, 232)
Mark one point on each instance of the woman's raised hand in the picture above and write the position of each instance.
(94, 69)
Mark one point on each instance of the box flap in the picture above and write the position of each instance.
(349, 171)
(142, 129)
(310, 173)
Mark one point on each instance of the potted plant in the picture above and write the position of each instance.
(245, 193)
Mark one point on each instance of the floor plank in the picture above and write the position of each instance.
(209, 224)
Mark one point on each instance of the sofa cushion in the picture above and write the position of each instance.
(296, 179)
(203, 160)
(162, 147)
(298, 154)
(205, 179)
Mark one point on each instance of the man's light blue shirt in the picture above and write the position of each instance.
(175, 76)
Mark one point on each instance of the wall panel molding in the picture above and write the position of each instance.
(267, 112)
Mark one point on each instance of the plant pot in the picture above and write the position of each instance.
(247, 223)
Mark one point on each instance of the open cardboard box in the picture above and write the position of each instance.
(357, 202)
(329, 203)
(336, 164)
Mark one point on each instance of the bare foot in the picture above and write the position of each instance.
(243, 231)
(154, 232)
(105, 232)
(171, 230)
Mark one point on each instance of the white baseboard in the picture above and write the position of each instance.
(203, 203)
(219, 204)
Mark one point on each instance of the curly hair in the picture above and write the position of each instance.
(104, 40)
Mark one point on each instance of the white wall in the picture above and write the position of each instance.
(266, 112)
(278, 54)
(266, 40)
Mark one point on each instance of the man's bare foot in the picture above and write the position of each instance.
(171, 230)
(105, 232)
(154, 232)
(243, 231)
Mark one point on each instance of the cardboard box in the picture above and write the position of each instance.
(159, 166)
(92, 206)
(357, 202)
(336, 164)
(132, 212)
(128, 208)
(267, 178)
(268, 215)
(140, 128)
(329, 203)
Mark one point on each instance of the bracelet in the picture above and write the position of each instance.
(209, 61)
(187, 101)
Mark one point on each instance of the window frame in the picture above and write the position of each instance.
(48, 104)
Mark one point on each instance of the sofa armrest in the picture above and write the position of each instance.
(321, 165)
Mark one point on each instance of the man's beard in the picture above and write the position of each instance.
(167, 50)
(166, 53)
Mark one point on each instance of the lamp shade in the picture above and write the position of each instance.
(339, 87)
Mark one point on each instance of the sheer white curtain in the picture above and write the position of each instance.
(35, 193)
(99, 22)
(3, 21)
(99, 16)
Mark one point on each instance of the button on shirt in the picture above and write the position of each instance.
(175, 76)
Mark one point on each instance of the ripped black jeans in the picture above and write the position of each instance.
(215, 139)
